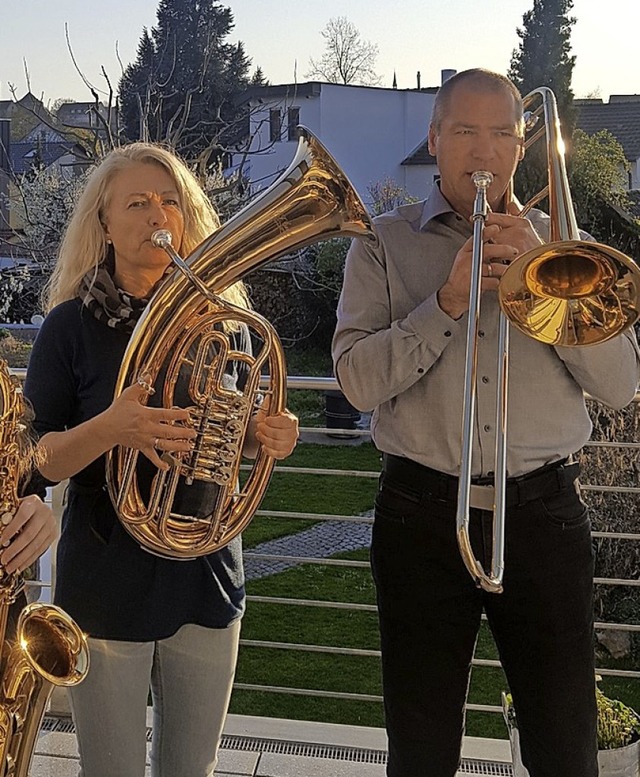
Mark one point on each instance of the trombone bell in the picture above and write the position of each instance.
(571, 293)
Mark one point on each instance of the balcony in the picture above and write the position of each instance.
(261, 746)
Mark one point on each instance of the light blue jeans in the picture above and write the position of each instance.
(190, 675)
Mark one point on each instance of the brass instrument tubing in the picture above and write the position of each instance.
(493, 582)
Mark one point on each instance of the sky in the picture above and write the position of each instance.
(280, 36)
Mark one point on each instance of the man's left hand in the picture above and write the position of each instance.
(514, 230)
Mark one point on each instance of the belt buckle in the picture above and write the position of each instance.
(482, 497)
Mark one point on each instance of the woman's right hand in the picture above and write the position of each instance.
(151, 430)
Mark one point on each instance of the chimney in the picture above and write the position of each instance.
(445, 75)
(5, 169)
(418, 79)
(395, 81)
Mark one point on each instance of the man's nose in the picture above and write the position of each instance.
(484, 147)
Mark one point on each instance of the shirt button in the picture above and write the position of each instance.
(480, 333)
(420, 370)
(490, 473)
(485, 379)
(487, 428)
(447, 334)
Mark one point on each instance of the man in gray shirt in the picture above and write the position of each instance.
(399, 350)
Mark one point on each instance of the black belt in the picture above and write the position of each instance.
(542, 482)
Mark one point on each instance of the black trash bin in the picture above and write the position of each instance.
(340, 414)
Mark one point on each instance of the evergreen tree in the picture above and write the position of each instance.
(258, 79)
(544, 58)
(182, 85)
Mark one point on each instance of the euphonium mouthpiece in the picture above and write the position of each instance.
(482, 179)
(161, 238)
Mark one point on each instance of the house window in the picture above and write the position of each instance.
(293, 119)
(274, 125)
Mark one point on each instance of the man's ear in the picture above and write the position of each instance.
(433, 140)
(521, 152)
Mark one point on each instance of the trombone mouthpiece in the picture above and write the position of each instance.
(161, 238)
(482, 179)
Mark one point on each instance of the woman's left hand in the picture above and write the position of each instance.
(27, 534)
(277, 433)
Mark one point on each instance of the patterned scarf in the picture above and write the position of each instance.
(106, 302)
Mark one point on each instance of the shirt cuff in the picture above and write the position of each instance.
(431, 323)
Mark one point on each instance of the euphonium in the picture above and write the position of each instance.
(181, 329)
(48, 648)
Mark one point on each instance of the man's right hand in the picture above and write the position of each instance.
(453, 297)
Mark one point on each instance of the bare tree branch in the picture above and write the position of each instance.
(347, 58)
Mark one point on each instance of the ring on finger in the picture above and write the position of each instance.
(155, 442)
(490, 270)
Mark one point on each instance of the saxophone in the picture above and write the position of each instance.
(48, 647)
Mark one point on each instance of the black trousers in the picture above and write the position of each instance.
(429, 611)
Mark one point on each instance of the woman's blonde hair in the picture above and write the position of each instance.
(84, 244)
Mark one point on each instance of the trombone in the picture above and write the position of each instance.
(567, 292)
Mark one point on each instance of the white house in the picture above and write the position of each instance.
(373, 133)
(379, 134)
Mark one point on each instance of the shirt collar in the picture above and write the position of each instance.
(435, 205)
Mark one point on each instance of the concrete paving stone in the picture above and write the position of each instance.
(53, 766)
(275, 765)
(218, 773)
(237, 762)
(319, 541)
(57, 743)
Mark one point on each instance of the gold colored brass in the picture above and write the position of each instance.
(569, 291)
(49, 648)
(180, 334)
(566, 292)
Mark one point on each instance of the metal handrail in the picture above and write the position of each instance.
(326, 383)
(306, 383)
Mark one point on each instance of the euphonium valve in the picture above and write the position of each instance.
(182, 333)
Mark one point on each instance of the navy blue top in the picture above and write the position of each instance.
(112, 587)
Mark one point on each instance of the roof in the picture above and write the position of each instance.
(621, 116)
(420, 155)
(23, 155)
(310, 89)
(288, 91)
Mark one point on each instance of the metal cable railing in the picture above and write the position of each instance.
(330, 384)
(323, 384)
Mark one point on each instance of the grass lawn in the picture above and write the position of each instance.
(338, 627)
(332, 495)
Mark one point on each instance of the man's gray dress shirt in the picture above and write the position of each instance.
(397, 353)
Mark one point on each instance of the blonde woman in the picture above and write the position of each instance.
(172, 626)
